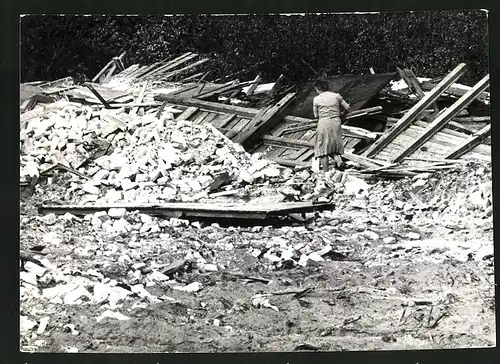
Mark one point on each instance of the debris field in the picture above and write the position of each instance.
(161, 216)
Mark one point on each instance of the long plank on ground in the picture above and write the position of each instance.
(415, 111)
(212, 210)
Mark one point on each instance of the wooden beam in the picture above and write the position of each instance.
(187, 113)
(184, 89)
(412, 83)
(260, 125)
(101, 72)
(172, 64)
(470, 144)
(455, 90)
(364, 161)
(242, 111)
(114, 66)
(296, 143)
(192, 77)
(154, 66)
(472, 119)
(221, 89)
(139, 98)
(59, 82)
(277, 85)
(250, 113)
(226, 122)
(415, 111)
(290, 163)
(214, 210)
(101, 99)
(254, 85)
(184, 69)
(285, 142)
(454, 126)
(444, 118)
(160, 110)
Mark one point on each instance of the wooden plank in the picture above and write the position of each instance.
(160, 110)
(192, 77)
(276, 86)
(184, 89)
(242, 210)
(128, 70)
(199, 118)
(139, 98)
(412, 82)
(454, 90)
(242, 111)
(352, 115)
(116, 61)
(452, 127)
(228, 120)
(261, 125)
(254, 85)
(289, 162)
(172, 64)
(240, 125)
(137, 71)
(155, 65)
(60, 82)
(221, 89)
(444, 118)
(278, 141)
(101, 99)
(471, 143)
(472, 119)
(415, 111)
(211, 117)
(251, 113)
(184, 69)
(101, 72)
(187, 113)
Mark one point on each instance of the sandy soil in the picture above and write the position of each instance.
(392, 281)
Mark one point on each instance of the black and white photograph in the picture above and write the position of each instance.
(288, 182)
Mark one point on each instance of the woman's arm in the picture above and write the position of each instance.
(315, 109)
(345, 105)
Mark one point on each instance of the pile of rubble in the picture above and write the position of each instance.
(147, 159)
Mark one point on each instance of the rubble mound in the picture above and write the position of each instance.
(138, 159)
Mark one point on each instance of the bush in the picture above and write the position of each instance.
(431, 43)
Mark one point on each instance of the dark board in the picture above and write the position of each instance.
(357, 90)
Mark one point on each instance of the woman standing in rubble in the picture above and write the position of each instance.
(326, 107)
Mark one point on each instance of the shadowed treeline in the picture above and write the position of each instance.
(431, 43)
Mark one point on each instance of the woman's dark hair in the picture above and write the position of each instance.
(322, 85)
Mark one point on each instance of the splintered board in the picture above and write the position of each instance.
(207, 210)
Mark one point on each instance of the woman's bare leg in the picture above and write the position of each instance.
(338, 160)
(323, 161)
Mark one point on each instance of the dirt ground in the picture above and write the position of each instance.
(393, 280)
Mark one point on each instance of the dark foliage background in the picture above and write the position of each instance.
(431, 43)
